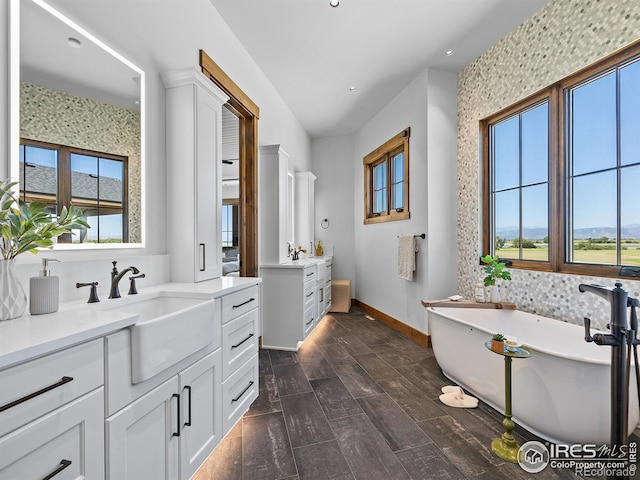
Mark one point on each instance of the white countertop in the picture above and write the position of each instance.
(31, 336)
(302, 263)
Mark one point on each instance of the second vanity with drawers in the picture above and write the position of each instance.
(296, 295)
(70, 406)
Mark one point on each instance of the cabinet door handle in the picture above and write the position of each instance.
(63, 464)
(243, 392)
(309, 322)
(244, 303)
(7, 406)
(188, 424)
(238, 344)
(204, 263)
(177, 434)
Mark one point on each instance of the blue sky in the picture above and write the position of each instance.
(594, 150)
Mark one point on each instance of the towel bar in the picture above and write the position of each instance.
(422, 235)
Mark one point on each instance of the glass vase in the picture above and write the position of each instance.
(13, 300)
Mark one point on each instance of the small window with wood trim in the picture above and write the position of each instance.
(386, 180)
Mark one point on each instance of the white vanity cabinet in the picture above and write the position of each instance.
(289, 304)
(305, 210)
(194, 174)
(320, 292)
(323, 288)
(200, 387)
(166, 426)
(69, 407)
(67, 443)
(240, 332)
(52, 415)
(277, 195)
(327, 284)
(171, 430)
(140, 440)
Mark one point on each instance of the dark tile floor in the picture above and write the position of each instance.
(360, 401)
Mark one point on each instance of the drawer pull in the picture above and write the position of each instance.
(244, 303)
(310, 274)
(204, 262)
(188, 387)
(177, 434)
(238, 344)
(310, 295)
(309, 322)
(63, 464)
(35, 394)
(243, 392)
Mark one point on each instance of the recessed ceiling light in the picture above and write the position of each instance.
(334, 3)
(449, 53)
(352, 89)
(74, 42)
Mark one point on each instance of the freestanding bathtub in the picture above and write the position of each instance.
(561, 393)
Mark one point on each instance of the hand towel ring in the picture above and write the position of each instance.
(325, 223)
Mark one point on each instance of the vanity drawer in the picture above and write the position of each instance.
(309, 274)
(238, 303)
(239, 341)
(65, 444)
(309, 320)
(35, 388)
(238, 392)
(309, 295)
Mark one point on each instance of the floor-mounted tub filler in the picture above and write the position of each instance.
(561, 393)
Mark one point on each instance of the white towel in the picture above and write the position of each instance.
(407, 248)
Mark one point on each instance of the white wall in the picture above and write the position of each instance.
(4, 91)
(159, 36)
(333, 166)
(427, 106)
(442, 184)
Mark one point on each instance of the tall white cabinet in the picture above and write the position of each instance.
(194, 175)
(277, 204)
(304, 217)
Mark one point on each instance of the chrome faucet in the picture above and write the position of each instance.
(117, 276)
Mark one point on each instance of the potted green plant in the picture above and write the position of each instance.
(497, 343)
(495, 270)
(26, 227)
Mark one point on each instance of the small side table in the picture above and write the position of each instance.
(506, 446)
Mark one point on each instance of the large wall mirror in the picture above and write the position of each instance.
(81, 126)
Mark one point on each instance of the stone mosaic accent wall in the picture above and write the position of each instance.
(560, 39)
(57, 117)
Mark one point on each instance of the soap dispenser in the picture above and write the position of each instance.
(44, 290)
